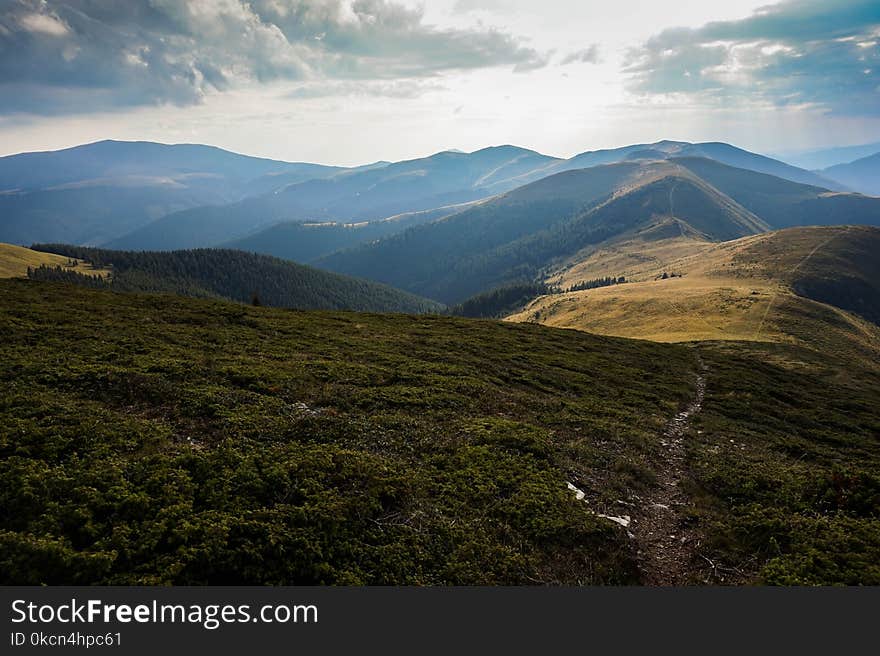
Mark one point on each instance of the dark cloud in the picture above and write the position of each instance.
(63, 56)
(801, 52)
(589, 55)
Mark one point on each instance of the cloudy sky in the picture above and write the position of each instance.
(353, 81)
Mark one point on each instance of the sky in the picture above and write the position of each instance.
(355, 81)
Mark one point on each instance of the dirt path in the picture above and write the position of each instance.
(666, 546)
(671, 205)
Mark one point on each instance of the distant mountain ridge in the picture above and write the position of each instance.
(148, 196)
(718, 151)
(94, 193)
(307, 242)
(443, 179)
(824, 158)
(118, 159)
(862, 174)
(516, 236)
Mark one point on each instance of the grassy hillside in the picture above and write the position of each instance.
(796, 285)
(190, 441)
(784, 467)
(157, 439)
(233, 275)
(15, 261)
(837, 266)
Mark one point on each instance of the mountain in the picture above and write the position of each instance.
(818, 287)
(862, 175)
(194, 163)
(100, 191)
(93, 212)
(781, 203)
(306, 242)
(216, 443)
(233, 275)
(823, 158)
(456, 257)
(720, 152)
(743, 159)
(148, 196)
(440, 180)
(515, 237)
(275, 180)
(836, 265)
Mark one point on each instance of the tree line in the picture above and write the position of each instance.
(509, 299)
(230, 274)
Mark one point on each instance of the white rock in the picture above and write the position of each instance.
(623, 521)
(578, 494)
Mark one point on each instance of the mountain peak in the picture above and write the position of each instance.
(504, 148)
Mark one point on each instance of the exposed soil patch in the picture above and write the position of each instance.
(666, 544)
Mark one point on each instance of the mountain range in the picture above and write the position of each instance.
(824, 158)
(148, 196)
(445, 227)
(265, 385)
(519, 235)
(93, 193)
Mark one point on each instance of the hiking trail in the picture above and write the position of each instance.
(665, 545)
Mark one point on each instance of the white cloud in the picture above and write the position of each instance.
(43, 24)
(810, 53)
(106, 54)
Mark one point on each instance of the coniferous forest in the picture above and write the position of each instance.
(232, 275)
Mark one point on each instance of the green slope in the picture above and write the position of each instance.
(234, 275)
(158, 439)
